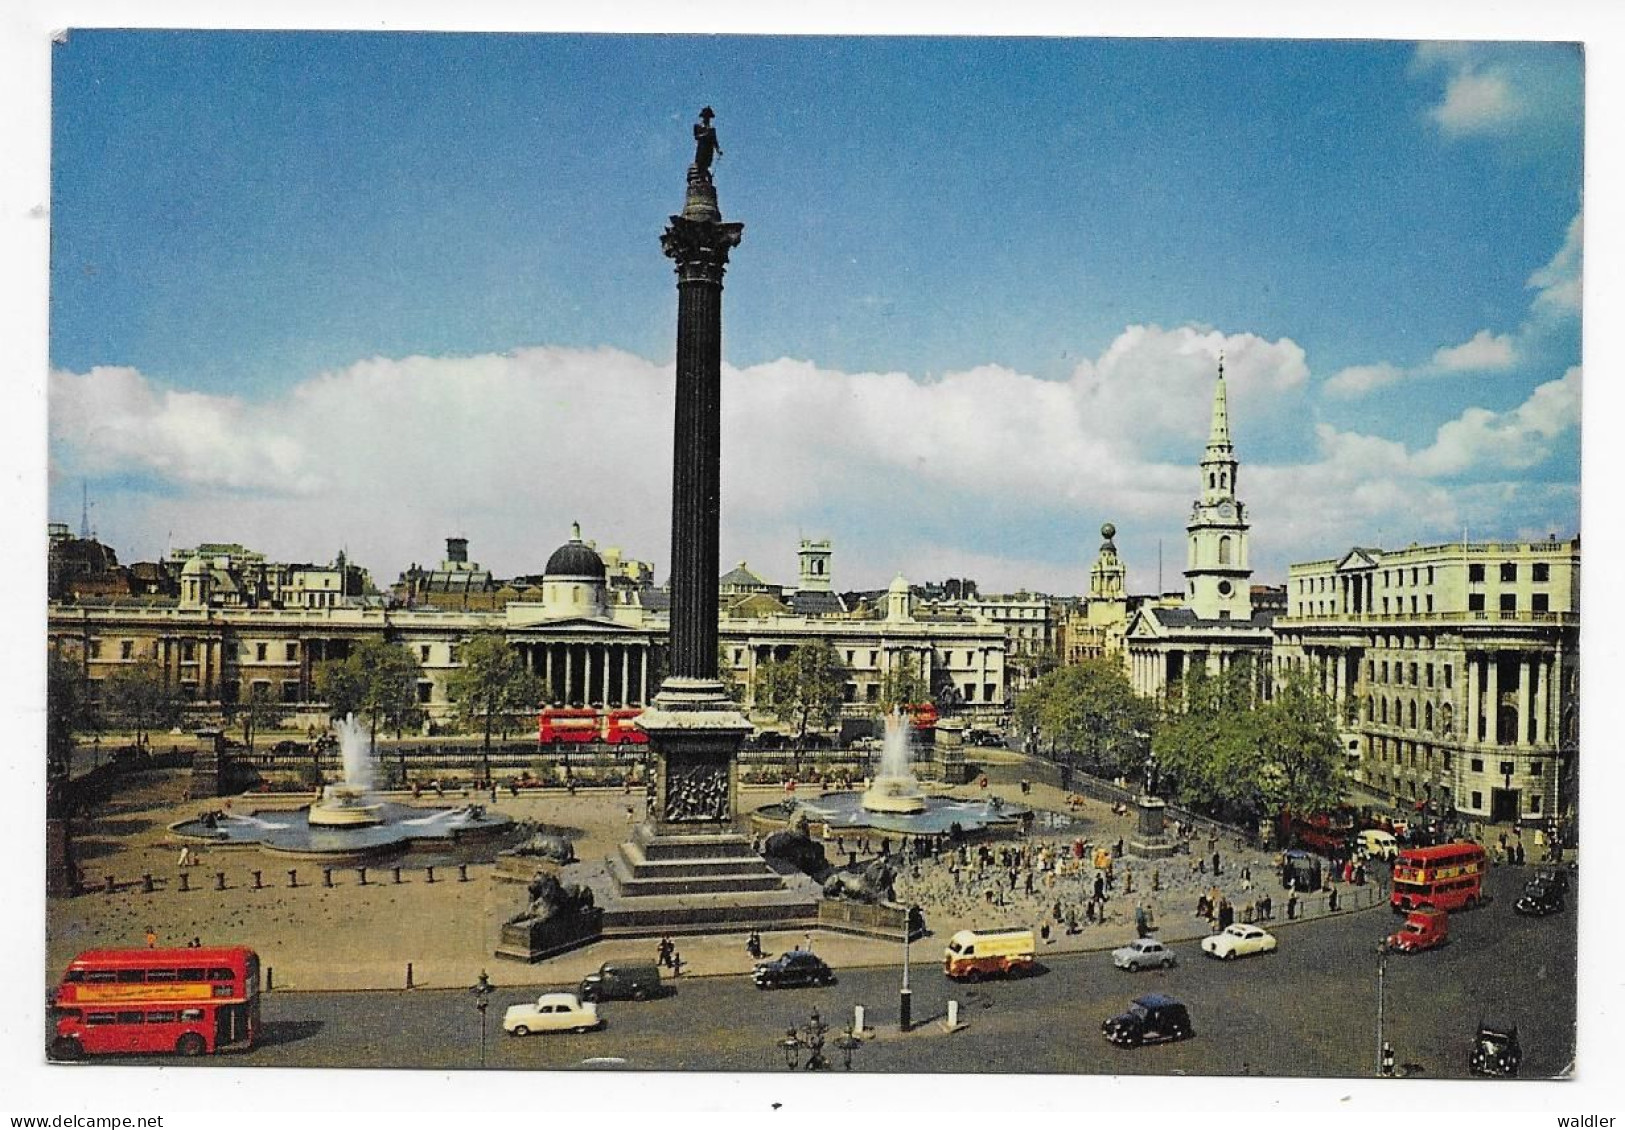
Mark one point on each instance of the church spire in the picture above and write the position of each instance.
(1219, 432)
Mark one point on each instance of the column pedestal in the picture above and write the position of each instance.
(688, 868)
(1151, 839)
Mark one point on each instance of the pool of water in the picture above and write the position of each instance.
(845, 811)
(404, 825)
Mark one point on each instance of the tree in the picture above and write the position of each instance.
(1222, 745)
(377, 679)
(1300, 757)
(902, 685)
(725, 672)
(141, 699)
(70, 710)
(1090, 707)
(490, 687)
(805, 688)
(259, 711)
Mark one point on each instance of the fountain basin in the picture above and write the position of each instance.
(399, 826)
(842, 813)
(894, 794)
(342, 807)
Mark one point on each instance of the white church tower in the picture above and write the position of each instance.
(1217, 576)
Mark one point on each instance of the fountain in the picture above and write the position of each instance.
(895, 788)
(350, 821)
(347, 804)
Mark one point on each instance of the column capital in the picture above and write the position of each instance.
(700, 247)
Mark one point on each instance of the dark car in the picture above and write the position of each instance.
(985, 738)
(1551, 878)
(1495, 1049)
(1151, 1019)
(617, 981)
(1539, 900)
(288, 745)
(788, 970)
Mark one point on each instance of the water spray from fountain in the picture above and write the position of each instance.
(895, 788)
(350, 803)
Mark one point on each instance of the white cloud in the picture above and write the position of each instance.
(1476, 103)
(1484, 351)
(990, 472)
(1357, 380)
(1510, 91)
(1557, 284)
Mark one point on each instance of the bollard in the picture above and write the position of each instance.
(327, 876)
(362, 871)
(186, 881)
(953, 1014)
(905, 1010)
(409, 975)
(293, 876)
(397, 872)
(270, 978)
(430, 870)
(857, 1018)
(111, 885)
(257, 883)
(146, 882)
(462, 872)
(219, 880)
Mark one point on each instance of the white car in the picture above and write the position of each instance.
(1238, 940)
(1143, 953)
(551, 1012)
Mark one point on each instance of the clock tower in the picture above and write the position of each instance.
(1216, 571)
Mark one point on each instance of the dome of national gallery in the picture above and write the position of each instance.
(575, 558)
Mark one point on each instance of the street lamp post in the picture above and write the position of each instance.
(811, 1036)
(905, 999)
(1382, 970)
(482, 990)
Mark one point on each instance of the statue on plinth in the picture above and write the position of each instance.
(1151, 774)
(705, 143)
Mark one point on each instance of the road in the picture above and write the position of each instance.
(1309, 1010)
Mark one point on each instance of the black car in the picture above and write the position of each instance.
(1495, 1049)
(1151, 1019)
(1539, 900)
(788, 970)
(985, 738)
(288, 745)
(1551, 878)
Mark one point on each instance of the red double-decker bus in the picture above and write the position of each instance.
(570, 725)
(621, 728)
(189, 1001)
(922, 716)
(1445, 877)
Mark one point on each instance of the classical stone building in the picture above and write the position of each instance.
(1217, 625)
(1456, 669)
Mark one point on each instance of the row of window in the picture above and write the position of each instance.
(1507, 602)
(147, 976)
(149, 1016)
(126, 650)
(1374, 669)
(1540, 572)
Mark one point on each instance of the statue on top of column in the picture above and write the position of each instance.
(705, 143)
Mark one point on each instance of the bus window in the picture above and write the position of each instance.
(155, 975)
(100, 976)
(162, 1016)
(131, 1017)
(99, 1018)
(131, 976)
(220, 973)
(191, 1014)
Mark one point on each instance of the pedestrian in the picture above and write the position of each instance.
(1100, 885)
(631, 817)
(1292, 906)
(1216, 863)
(1331, 902)
(676, 964)
(1140, 930)
(1201, 866)
(152, 939)
(186, 855)
(1156, 879)
(1265, 905)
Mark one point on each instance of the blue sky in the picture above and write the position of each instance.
(323, 290)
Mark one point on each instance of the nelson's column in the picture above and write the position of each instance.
(688, 865)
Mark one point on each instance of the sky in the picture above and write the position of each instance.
(324, 291)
